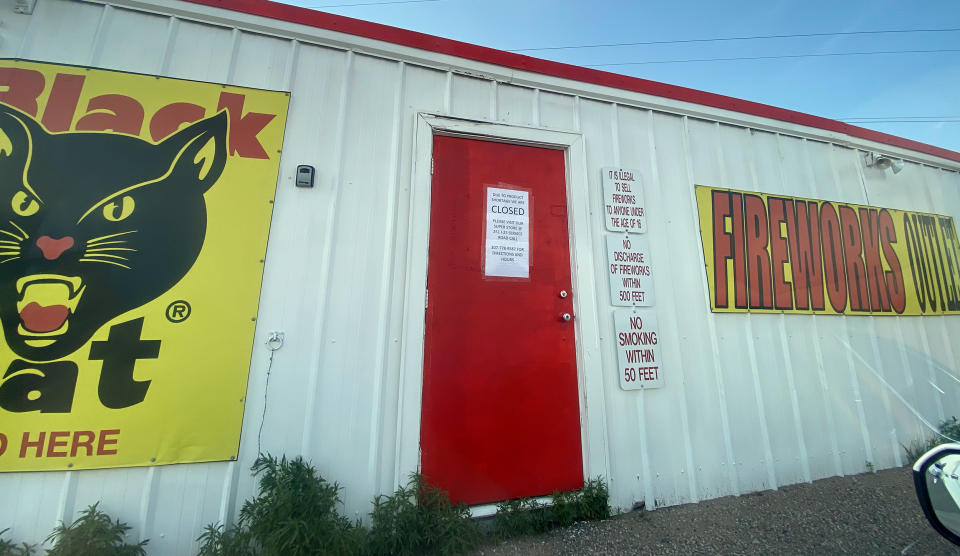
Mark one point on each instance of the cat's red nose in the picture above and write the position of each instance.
(53, 248)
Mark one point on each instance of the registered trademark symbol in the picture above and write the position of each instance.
(178, 311)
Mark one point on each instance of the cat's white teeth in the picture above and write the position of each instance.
(49, 292)
(75, 282)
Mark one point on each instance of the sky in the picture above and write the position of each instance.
(910, 94)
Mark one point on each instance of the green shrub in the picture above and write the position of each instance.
(526, 516)
(522, 516)
(294, 513)
(419, 519)
(9, 548)
(94, 533)
(215, 541)
(949, 432)
(595, 500)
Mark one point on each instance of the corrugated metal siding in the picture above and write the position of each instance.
(751, 401)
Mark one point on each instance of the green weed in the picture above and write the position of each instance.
(294, 513)
(949, 431)
(526, 516)
(9, 548)
(419, 519)
(94, 533)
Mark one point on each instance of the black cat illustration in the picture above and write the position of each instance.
(95, 224)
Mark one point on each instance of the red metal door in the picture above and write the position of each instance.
(500, 416)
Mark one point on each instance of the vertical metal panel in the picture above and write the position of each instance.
(662, 415)
(515, 104)
(199, 52)
(594, 120)
(631, 128)
(737, 356)
(348, 363)
(556, 111)
(751, 402)
(471, 98)
(775, 366)
(802, 342)
(75, 26)
(122, 28)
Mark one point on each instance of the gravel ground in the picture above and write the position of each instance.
(873, 513)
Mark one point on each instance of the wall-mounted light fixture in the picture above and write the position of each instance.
(882, 162)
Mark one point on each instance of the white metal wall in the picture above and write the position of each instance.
(751, 402)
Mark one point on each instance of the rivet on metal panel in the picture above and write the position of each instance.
(153, 460)
(69, 465)
(270, 201)
(261, 260)
(253, 319)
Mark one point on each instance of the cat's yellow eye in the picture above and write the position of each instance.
(118, 210)
(23, 204)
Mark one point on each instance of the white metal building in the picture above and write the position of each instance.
(749, 401)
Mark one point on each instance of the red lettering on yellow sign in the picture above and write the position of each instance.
(61, 444)
(124, 114)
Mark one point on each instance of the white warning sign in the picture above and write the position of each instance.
(638, 349)
(507, 251)
(631, 274)
(623, 200)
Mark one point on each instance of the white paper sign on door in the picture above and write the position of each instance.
(630, 270)
(623, 206)
(638, 349)
(507, 251)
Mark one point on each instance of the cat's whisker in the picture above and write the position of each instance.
(87, 260)
(99, 243)
(8, 242)
(9, 252)
(105, 256)
(8, 260)
(13, 235)
(22, 231)
(95, 239)
(102, 249)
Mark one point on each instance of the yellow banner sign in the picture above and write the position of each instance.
(776, 254)
(134, 213)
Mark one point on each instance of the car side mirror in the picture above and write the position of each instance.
(936, 476)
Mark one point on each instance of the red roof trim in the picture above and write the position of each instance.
(413, 39)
